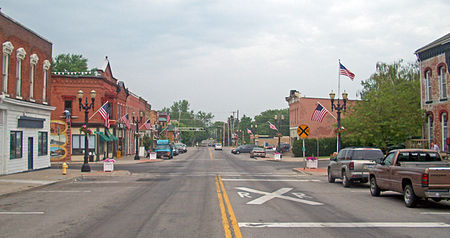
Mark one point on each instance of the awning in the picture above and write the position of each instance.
(103, 136)
(111, 136)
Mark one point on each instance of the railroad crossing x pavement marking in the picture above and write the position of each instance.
(277, 194)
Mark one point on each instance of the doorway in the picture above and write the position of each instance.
(30, 153)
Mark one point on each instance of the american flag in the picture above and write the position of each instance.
(319, 113)
(104, 113)
(148, 125)
(126, 120)
(272, 126)
(344, 71)
(249, 131)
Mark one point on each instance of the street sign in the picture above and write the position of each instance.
(303, 131)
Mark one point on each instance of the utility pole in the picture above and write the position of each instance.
(237, 122)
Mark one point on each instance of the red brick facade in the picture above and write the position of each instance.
(434, 77)
(301, 110)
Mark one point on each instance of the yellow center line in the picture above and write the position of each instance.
(234, 223)
(226, 226)
(210, 154)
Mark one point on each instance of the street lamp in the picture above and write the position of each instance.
(253, 132)
(137, 121)
(279, 118)
(338, 109)
(86, 107)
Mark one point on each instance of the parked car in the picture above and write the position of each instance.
(416, 173)
(352, 165)
(218, 146)
(243, 149)
(258, 152)
(164, 149)
(284, 147)
(181, 147)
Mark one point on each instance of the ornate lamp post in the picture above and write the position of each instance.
(86, 107)
(137, 121)
(279, 118)
(253, 132)
(338, 109)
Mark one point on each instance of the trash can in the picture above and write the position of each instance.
(118, 154)
(277, 156)
(152, 155)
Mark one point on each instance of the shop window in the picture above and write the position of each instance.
(42, 143)
(15, 144)
(78, 144)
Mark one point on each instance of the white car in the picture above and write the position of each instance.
(218, 146)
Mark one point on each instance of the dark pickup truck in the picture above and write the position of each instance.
(416, 173)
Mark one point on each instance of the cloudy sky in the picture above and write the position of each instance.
(224, 56)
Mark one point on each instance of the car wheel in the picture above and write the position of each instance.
(251, 156)
(345, 181)
(237, 152)
(330, 178)
(374, 189)
(409, 197)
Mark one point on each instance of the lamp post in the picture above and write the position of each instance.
(86, 107)
(338, 109)
(137, 121)
(279, 118)
(253, 132)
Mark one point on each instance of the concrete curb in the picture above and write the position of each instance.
(318, 171)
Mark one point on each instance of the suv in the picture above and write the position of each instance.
(243, 149)
(284, 147)
(352, 165)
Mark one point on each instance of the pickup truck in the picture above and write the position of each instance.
(352, 165)
(416, 173)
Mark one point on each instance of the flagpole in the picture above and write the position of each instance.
(339, 93)
(97, 110)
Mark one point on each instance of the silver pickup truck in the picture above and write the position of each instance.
(352, 165)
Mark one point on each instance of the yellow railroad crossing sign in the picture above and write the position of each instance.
(303, 131)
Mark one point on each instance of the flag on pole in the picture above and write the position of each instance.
(148, 125)
(319, 113)
(249, 131)
(272, 126)
(104, 113)
(344, 71)
(126, 120)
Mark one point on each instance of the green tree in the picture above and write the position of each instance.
(269, 116)
(389, 112)
(69, 63)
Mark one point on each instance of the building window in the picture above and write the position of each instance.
(442, 83)
(68, 106)
(78, 144)
(428, 85)
(444, 119)
(15, 144)
(33, 61)
(20, 57)
(430, 133)
(42, 143)
(7, 50)
(46, 67)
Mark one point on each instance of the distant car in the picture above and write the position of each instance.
(284, 147)
(258, 152)
(181, 147)
(243, 149)
(218, 146)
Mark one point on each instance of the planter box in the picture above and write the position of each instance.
(312, 163)
(108, 166)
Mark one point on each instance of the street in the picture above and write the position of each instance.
(207, 193)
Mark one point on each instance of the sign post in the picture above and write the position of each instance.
(303, 131)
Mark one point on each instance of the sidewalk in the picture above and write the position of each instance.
(306, 171)
(12, 183)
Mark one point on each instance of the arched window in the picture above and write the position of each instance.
(45, 67)
(7, 50)
(444, 119)
(20, 57)
(442, 82)
(430, 134)
(428, 85)
(33, 62)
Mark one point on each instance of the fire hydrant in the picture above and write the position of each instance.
(64, 168)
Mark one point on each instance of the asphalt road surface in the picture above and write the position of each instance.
(207, 193)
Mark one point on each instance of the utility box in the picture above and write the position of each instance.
(108, 166)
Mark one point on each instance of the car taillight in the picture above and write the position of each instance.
(425, 180)
(351, 166)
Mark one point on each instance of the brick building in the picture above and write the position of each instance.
(24, 101)
(434, 61)
(300, 111)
